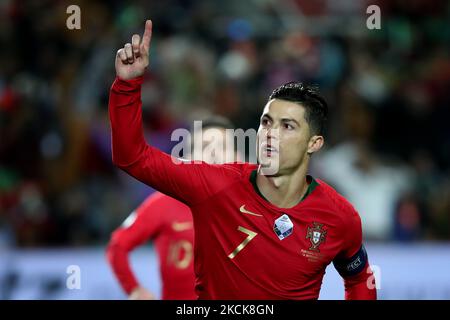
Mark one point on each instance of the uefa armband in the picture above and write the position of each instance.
(353, 265)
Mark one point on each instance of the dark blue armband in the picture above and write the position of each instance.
(353, 265)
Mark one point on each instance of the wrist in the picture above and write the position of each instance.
(125, 85)
(133, 287)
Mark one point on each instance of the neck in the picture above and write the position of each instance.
(284, 190)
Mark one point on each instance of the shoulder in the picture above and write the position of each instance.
(239, 168)
(159, 201)
(337, 202)
(155, 198)
(350, 221)
(233, 171)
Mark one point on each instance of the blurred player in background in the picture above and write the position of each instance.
(168, 223)
(259, 235)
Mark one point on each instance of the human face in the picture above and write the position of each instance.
(216, 146)
(284, 136)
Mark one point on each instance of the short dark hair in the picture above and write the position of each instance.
(213, 121)
(217, 121)
(316, 108)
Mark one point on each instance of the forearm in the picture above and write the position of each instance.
(118, 260)
(360, 291)
(130, 152)
(128, 143)
(361, 286)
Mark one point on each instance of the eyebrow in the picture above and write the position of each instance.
(266, 115)
(290, 120)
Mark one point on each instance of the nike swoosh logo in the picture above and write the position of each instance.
(182, 226)
(242, 209)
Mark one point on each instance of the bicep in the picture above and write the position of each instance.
(185, 181)
(353, 262)
(353, 257)
(353, 265)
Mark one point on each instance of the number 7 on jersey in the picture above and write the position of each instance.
(251, 235)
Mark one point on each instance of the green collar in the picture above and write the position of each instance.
(312, 185)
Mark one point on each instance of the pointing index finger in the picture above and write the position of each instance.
(147, 35)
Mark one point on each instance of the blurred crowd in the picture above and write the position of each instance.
(388, 141)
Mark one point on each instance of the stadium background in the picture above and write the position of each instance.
(388, 141)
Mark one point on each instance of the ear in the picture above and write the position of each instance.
(315, 143)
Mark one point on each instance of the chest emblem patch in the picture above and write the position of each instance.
(283, 226)
(316, 235)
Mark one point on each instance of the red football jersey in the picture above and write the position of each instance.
(246, 247)
(168, 223)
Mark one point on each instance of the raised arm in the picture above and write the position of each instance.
(187, 182)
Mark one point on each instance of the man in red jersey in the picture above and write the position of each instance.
(168, 223)
(258, 235)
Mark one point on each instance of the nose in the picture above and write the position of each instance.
(272, 133)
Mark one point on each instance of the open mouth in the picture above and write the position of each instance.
(268, 150)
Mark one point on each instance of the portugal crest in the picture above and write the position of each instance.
(316, 235)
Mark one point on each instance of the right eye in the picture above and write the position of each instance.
(265, 122)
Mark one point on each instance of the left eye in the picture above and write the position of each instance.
(288, 126)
